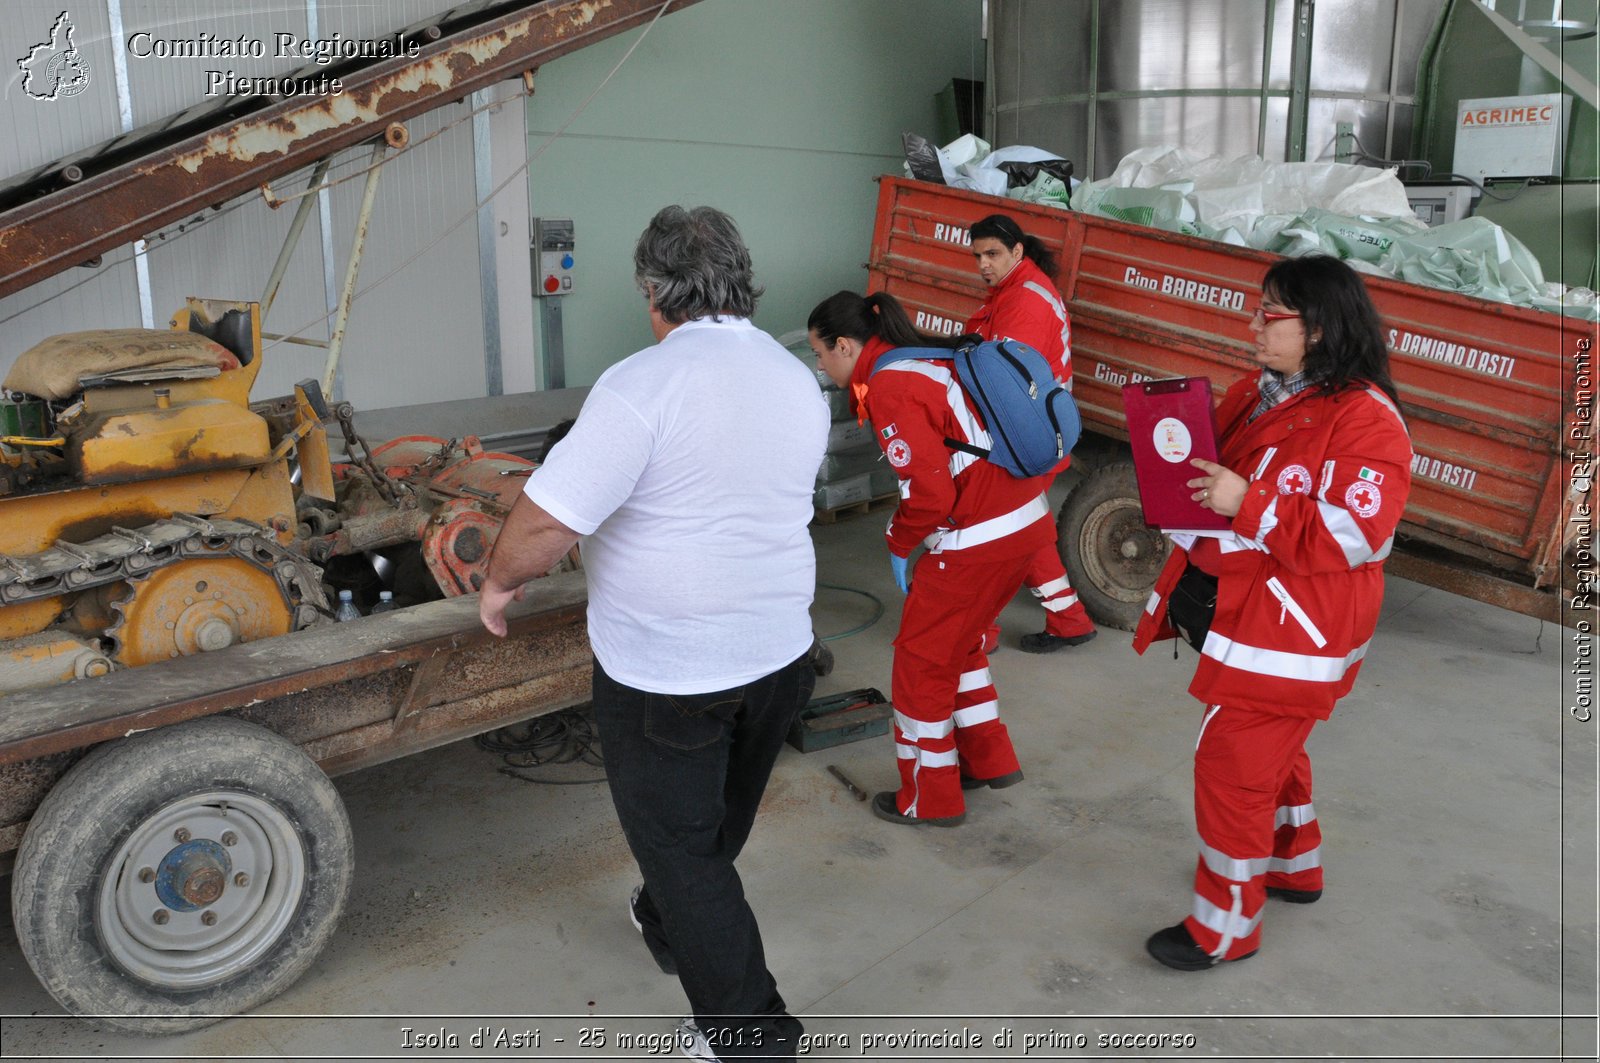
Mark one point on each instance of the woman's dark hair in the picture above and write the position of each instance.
(876, 316)
(1333, 305)
(1004, 228)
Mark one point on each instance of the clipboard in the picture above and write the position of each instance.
(1171, 422)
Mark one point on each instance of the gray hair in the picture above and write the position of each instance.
(696, 263)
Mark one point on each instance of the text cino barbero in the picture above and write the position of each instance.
(320, 51)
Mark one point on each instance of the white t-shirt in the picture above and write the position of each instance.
(690, 471)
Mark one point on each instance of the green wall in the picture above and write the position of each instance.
(779, 112)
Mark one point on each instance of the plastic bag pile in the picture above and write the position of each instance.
(1358, 213)
(1032, 175)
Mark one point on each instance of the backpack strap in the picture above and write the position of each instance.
(912, 354)
(931, 354)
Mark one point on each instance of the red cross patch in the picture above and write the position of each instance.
(1363, 499)
(899, 453)
(1294, 480)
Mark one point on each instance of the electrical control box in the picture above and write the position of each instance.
(1440, 204)
(553, 249)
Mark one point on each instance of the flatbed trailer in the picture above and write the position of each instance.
(180, 854)
(1498, 398)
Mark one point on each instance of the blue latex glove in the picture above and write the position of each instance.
(901, 577)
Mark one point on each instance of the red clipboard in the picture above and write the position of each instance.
(1171, 422)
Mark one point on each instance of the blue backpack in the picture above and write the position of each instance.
(1031, 418)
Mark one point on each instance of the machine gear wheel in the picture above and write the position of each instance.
(196, 605)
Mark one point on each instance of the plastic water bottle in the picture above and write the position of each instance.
(347, 608)
(386, 603)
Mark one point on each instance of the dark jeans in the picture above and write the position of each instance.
(687, 772)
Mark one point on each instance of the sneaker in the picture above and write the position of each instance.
(884, 806)
(1294, 896)
(692, 1043)
(658, 952)
(1044, 642)
(1176, 948)
(999, 782)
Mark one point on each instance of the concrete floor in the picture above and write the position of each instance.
(1457, 798)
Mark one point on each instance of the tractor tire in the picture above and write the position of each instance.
(181, 876)
(1112, 557)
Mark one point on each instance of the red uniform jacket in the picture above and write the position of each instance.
(952, 502)
(1300, 580)
(1027, 308)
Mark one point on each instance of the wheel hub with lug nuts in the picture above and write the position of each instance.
(193, 875)
(201, 889)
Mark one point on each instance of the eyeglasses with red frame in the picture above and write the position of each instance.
(1265, 316)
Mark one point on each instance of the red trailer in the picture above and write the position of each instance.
(1499, 398)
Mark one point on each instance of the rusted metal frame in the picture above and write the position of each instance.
(63, 229)
(291, 240)
(119, 724)
(1479, 585)
(347, 294)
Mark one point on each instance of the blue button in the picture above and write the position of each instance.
(566, 261)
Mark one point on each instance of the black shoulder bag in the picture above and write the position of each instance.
(1192, 604)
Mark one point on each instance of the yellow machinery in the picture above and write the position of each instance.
(148, 511)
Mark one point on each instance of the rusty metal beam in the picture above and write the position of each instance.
(305, 667)
(1484, 586)
(70, 226)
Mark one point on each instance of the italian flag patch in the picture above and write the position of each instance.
(1372, 476)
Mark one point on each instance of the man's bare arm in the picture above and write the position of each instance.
(529, 545)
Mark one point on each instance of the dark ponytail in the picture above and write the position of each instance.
(876, 316)
(1004, 228)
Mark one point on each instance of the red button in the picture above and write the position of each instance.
(551, 284)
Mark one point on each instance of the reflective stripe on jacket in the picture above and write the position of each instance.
(950, 501)
(1300, 578)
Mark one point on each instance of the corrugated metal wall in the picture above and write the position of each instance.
(1094, 79)
(415, 336)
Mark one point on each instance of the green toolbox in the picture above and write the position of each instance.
(839, 718)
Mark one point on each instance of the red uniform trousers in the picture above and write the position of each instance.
(947, 721)
(1252, 807)
(1047, 581)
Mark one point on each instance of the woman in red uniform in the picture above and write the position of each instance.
(980, 527)
(1316, 467)
(1023, 305)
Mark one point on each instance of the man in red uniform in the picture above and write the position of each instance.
(1023, 305)
(980, 527)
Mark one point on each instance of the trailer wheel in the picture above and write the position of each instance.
(1113, 558)
(181, 876)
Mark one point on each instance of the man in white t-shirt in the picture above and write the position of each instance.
(689, 477)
